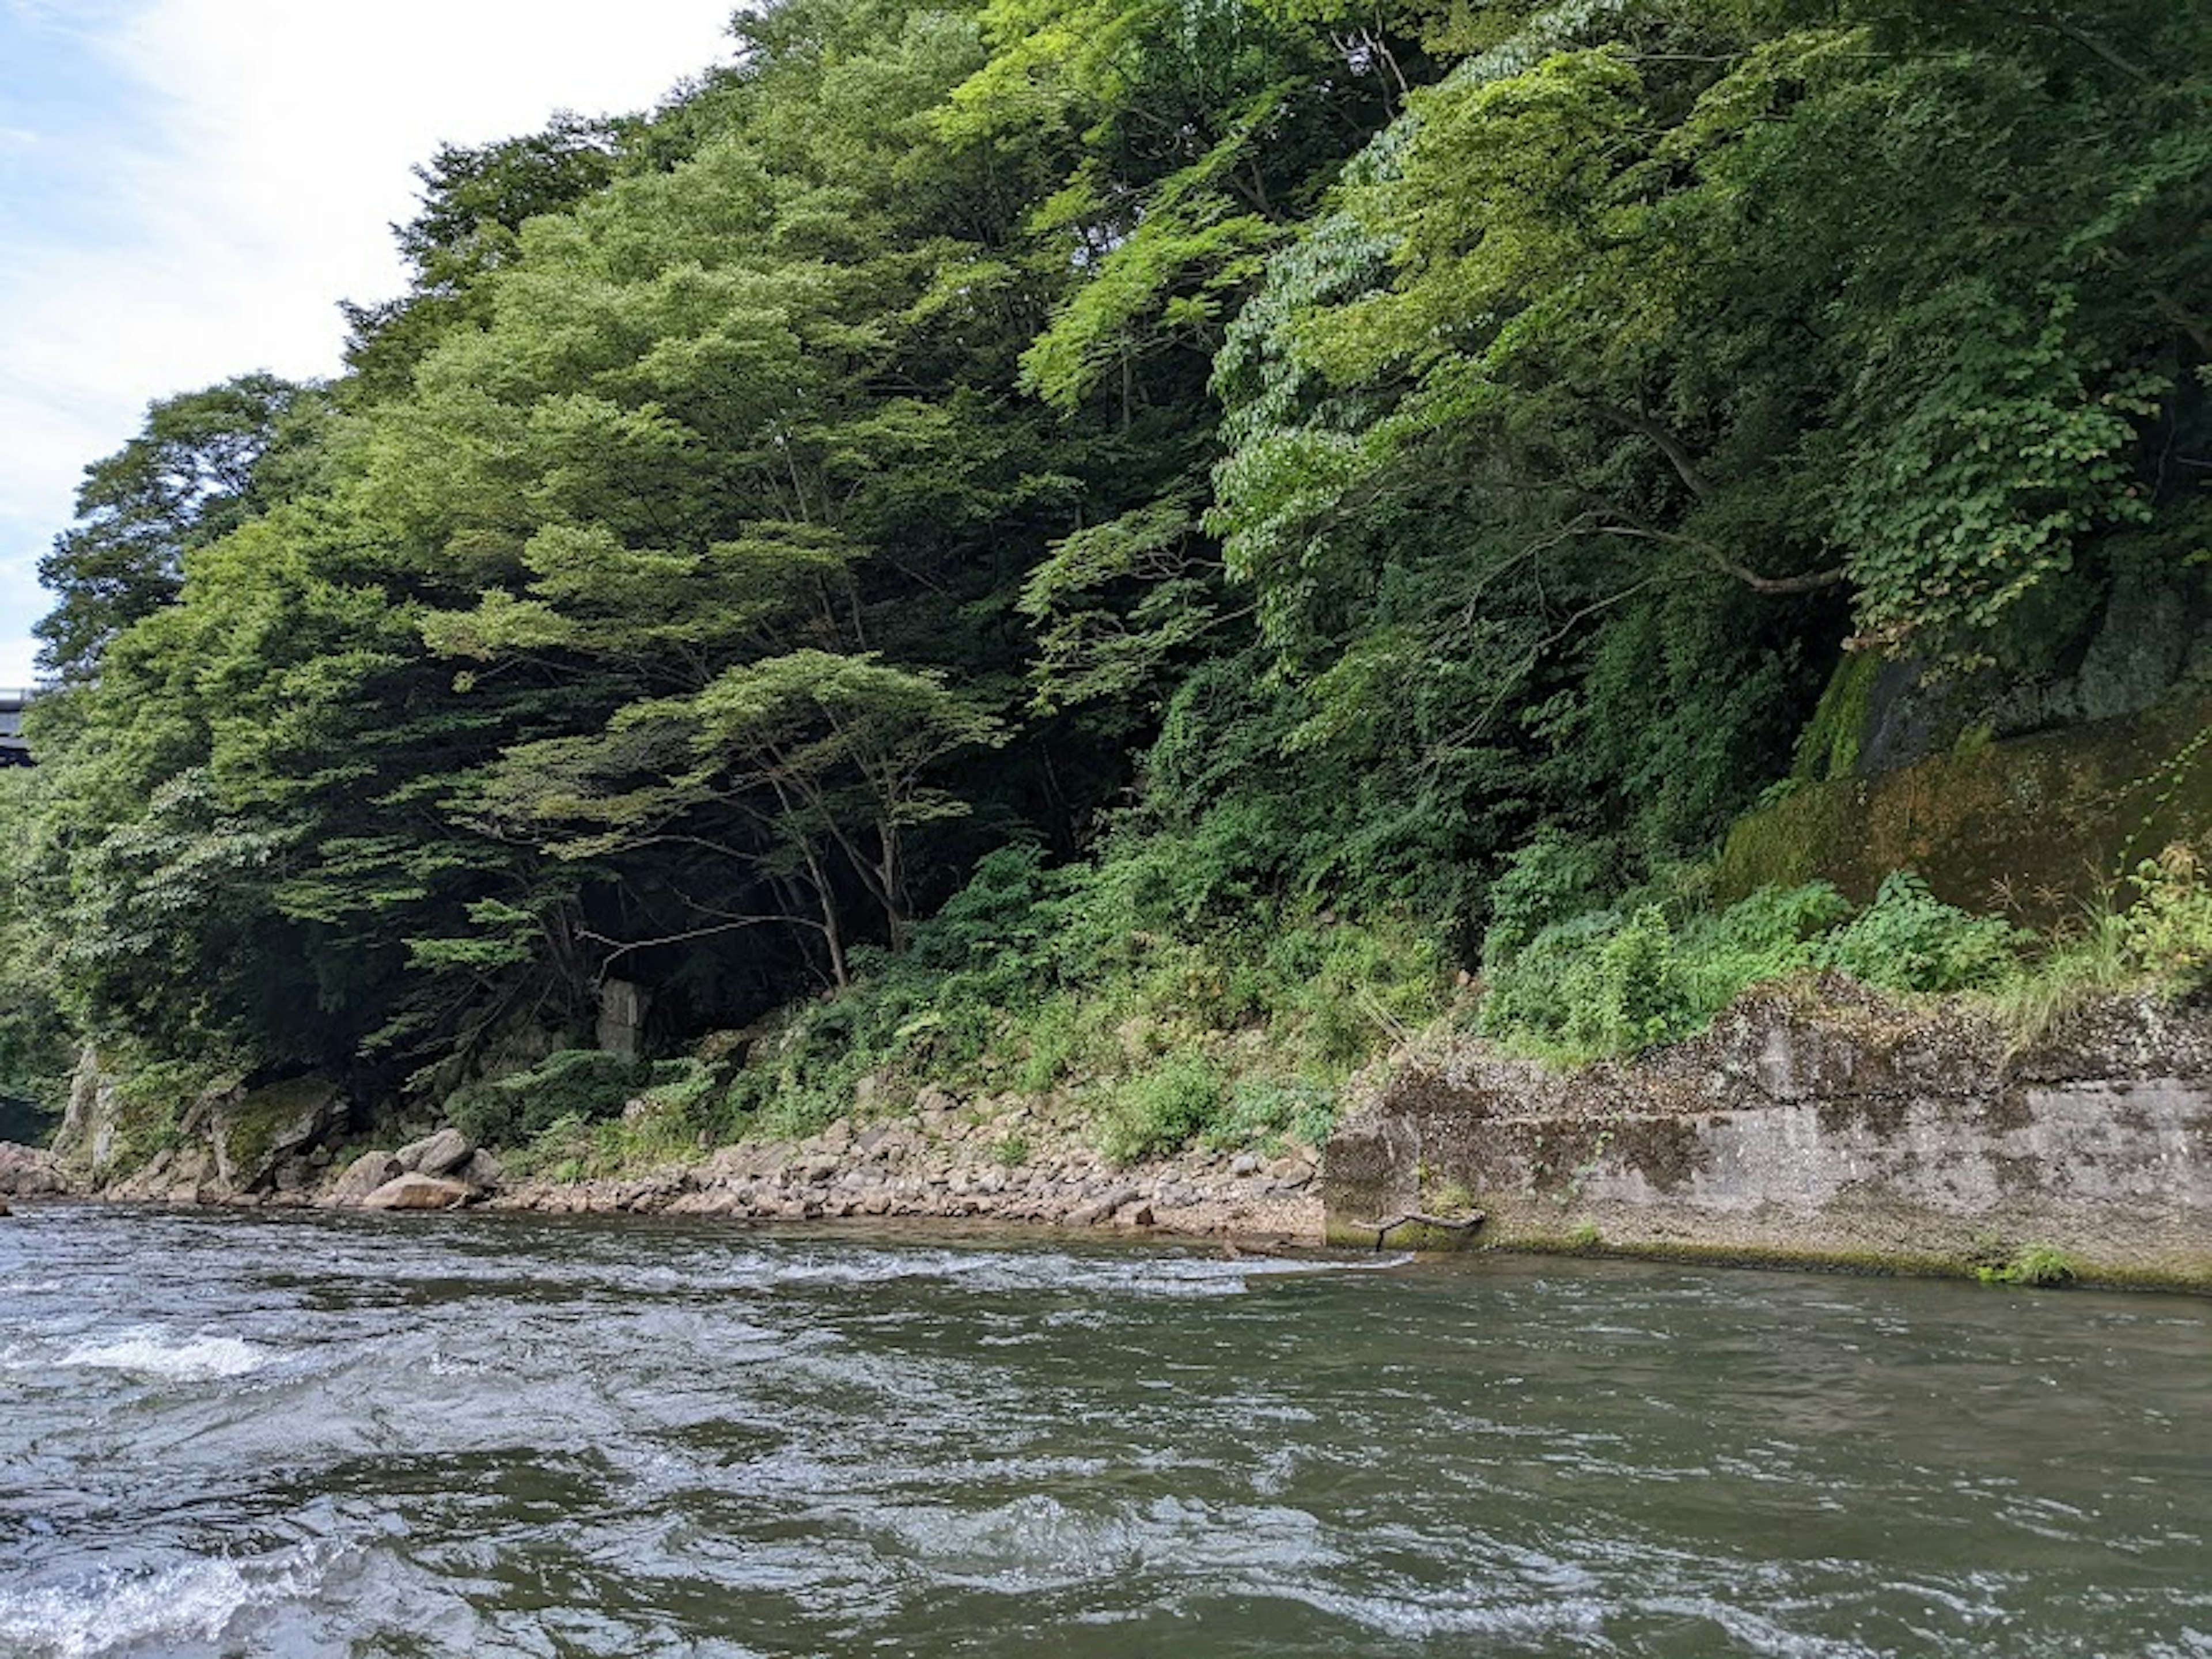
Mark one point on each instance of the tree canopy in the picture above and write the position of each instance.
(1346, 445)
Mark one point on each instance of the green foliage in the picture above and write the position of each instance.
(2038, 1266)
(206, 463)
(1268, 1112)
(1608, 982)
(1909, 940)
(1322, 507)
(2167, 930)
(1163, 1109)
(571, 1085)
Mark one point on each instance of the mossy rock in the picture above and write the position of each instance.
(2034, 826)
(252, 1134)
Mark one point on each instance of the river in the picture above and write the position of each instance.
(225, 1434)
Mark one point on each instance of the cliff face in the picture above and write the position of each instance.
(1840, 1130)
(2034, 825)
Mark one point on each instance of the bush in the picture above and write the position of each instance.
(1599, 984)
(1604, 983)
(2167, 932)
(1908, 939)
(1549, 881)
(582, 1085)
(1161, 1109)
(1263, 1111)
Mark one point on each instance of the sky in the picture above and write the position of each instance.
(189, 187)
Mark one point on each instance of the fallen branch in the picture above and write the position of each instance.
(1415, 1217)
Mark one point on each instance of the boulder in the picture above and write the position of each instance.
(483, 1170)
(363, 1176)
(27, 1172)
(417, 1192)
(255, 1133)
(436, 1155)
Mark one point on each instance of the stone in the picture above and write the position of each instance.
(623, 1006)
(364, 1176)
(255, 1133)
(417, 1192)
(27, 1172)
(1245, 1163)
(483, 1170)
(436, 1155)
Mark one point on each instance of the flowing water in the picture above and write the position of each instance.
(489, 1436)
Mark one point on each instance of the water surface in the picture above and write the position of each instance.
(248, 1435)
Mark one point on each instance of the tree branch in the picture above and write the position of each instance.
(1811, 583)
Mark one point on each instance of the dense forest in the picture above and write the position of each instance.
(1144, 547)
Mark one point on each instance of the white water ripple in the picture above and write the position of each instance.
(155, 1611)
(148, 1350)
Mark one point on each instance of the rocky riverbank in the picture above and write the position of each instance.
(1004, 1159)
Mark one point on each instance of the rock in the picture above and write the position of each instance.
(1144, 1216)
(417, 1192)
(625, 1007)
(260, 1130)
(1245, 1163)
(481, 1171)
(363, 1176)
(27, 1172)
(436, 1155)
(87, 1137)
(3, 1207)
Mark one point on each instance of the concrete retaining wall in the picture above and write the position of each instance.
(1823, 1131)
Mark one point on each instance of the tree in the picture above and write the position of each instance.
(205, 463)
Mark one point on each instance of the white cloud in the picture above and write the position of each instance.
(266, 147)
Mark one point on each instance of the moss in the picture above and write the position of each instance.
(250, 1128)
(1829, 746)
(2193, 1279)
(2037, 826)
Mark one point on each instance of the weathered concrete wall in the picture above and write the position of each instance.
(1832, 1129)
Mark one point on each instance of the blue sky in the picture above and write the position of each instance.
(188, 187)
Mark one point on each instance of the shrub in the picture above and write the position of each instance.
(1908, 939)
(1161, 1109)
(1549, 881)
(2167, 930)
(1605, 983)
(1264, 1110)
(585, 1085)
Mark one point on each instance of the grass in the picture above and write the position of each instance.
(1158, 1028)
(2040, 1265)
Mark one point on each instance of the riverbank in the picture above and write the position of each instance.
(1815, 1125)
(1003, 1159)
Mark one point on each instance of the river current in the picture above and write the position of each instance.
(264, 1435)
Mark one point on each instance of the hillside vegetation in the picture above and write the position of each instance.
(1140, 548)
